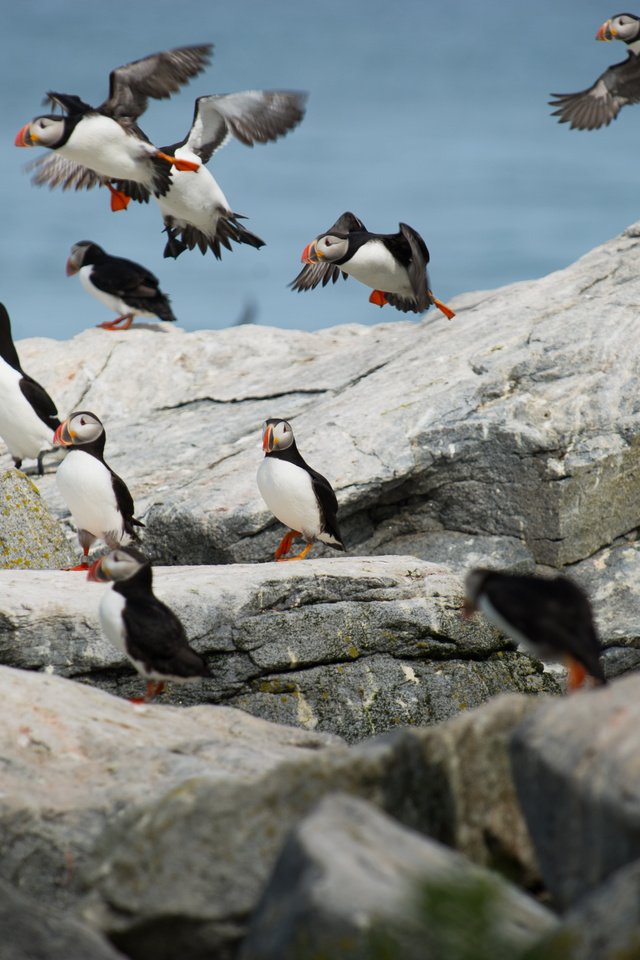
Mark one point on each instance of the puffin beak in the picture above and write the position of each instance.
(468, 609)
(606, 32)
(310, 254)
(95, 571)
(63, 436)
(267, 440)
(24, 138)
(71, 267)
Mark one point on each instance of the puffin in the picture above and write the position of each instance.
(194, 209)
(122, 285)
(106, 140)
(99, 500)
(614, 89)
(144, 628)
(297, 496)
(28, 415)
(550, 617)
(394, 264)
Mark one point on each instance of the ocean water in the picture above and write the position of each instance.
(420, 111)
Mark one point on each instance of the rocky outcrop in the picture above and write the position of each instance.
(349, 646)
(30, 536)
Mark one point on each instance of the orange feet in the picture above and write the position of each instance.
(442, 307)
(285, 544)
(80, 566)
(115, 324)
(153, 687)
(184, 165)
(119, 200)
(577, 674)
(298, 556)
(378, 298)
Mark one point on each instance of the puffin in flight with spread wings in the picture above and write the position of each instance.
(394, 264)
(614, 89)
(105, 143)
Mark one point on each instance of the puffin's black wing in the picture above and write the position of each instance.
(156, 638)
(40, 400)
(8, 350)
(314, 273)
(251, 116)
(554, 613)
(68, 102)
(602, 102)
(124, 501)
(56, 171)
(328, 502)
(158, 76)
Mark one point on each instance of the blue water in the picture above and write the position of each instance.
(425, 111)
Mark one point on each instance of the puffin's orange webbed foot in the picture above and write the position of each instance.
(285, 544)
(298, 556)
(442, 307)
(184, 165)
(577, 675)
(119, 200)
(115, 324)
(378, 298)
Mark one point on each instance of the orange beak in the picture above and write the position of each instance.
(62, 437)
(606, 32)
(70, 268)
(23, 138)
(95, 571)
(310, 253)
(267, 439)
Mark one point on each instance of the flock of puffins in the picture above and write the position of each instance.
(104, 146)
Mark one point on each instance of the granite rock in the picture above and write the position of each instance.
(30, 536)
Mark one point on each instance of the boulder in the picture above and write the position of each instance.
(576, 767)
(30, 536)
(348, 873)
(353, 646)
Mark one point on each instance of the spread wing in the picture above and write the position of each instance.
(40, 401)
(417, 270)
(252, 116)
(157, 76)
(322, 272)
(56, 171)
(603, 101)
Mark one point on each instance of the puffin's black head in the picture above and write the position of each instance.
(50, 130)
(624, 26)
(330, 247)
(121, 564)
(276, 435)
(81, 427)
(83, 253)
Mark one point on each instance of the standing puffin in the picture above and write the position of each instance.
(141, 626)
(614, 89)
(394, 264)
(298, 496)
(99, 500)
(194, 209)
(28, 415)
(122, 285)
(106, 140)
(551, 618)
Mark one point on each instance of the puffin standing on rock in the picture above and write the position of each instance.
(99, 500)
(122, 285)
(105, 141)
(28, 415)
(614, 89)
(141, 626)
(550, 617)
(298, 496)
(394, 264)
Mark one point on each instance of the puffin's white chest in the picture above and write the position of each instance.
(109, 299)
(373, 265)
(288, 492)
(194, 197)
(85, 486)
(101, 144)
(111, 608)
(21, 428)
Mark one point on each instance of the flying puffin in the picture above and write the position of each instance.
(28, 415)
(614, 89)
(394, 264)
(194, 209)
(141, 626)
(298, 496)
(106, 140)
(550, 617)
(122, 285)
(99, 500)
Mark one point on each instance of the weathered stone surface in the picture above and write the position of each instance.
(347, 868)
(606, 924)
(32, 932)
(577, 772)
(346, 645)
(506, 422)
(30, 537)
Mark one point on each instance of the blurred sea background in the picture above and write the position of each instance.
(423, 111)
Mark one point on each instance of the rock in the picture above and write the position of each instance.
(353, 646)
(32, 932)
(576, 768)
(501, 423)
(606, 924)
(347, 872)
(30, 537)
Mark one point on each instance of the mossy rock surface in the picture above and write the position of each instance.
(30, 536)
